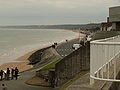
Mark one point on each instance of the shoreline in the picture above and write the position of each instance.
(22, 62)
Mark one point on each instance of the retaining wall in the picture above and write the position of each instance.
(36, 57)
(72, 64)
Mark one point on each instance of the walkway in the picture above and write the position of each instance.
(83, 83)
(20, 85)
(65, 49)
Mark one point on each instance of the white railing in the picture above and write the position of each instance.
(103, 59)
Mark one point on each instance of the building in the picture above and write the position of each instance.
(114, 14)
(106, 26)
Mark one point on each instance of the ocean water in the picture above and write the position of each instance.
(17, 42)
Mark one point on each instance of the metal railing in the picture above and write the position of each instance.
(104, 54)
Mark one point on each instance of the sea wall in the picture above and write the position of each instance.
(72, 64)
(67, 68)
(36, 57)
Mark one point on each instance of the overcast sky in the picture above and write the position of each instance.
(27, 12)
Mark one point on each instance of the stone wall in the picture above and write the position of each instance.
(72, 64)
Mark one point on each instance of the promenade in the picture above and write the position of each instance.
(20, 83)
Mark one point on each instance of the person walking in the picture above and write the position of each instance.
(12, 73)
(16, 73)
(7, 74)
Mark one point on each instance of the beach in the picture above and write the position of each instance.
(22, 62)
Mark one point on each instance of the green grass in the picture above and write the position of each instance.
(51, 65)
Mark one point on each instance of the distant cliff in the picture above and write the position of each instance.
(66, 26)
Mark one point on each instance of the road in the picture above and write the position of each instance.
(65, 49)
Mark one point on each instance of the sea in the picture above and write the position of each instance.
(17, 42)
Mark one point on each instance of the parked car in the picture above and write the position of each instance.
(76, 46)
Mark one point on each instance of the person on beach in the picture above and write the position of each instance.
(12, 73)
(53, 46)
(7, 74)
(4, 87)
(1, 74)
(16, 73)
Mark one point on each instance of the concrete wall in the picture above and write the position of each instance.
(73, 64)
(114, 14)
(114, 26)
(118, 26)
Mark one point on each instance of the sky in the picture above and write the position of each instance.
(44, 12)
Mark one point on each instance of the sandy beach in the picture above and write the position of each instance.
(22, 62)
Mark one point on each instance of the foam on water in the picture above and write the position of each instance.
(16, 43)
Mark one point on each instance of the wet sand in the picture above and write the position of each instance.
(21, 62)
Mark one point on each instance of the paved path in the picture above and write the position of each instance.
(81, 84)
(20, 85)
(65, 49)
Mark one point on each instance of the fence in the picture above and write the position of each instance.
(104, 54)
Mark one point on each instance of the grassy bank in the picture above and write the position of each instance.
(51, 65)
